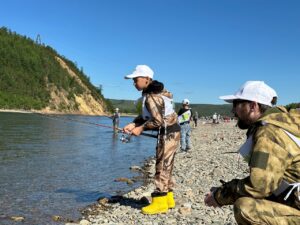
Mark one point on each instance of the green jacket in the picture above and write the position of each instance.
(274, 157)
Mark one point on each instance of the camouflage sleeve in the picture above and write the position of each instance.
(268, 163)
(155, 105)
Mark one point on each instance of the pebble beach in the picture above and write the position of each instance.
(212, 158)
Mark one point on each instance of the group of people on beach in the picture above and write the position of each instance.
(270, 194)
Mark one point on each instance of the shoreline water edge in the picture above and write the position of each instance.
(213, 157)
(60, 113)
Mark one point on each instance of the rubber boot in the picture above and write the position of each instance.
(171, 201)
(158, 205)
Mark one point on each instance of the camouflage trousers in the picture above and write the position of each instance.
(165, 155)
(260, 211)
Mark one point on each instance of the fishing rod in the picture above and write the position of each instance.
(95, 124)
(121, 130)
(110, 117)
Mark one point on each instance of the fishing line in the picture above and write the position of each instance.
(95, 124)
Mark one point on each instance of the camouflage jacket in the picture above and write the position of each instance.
(274, 157)
(155, 105)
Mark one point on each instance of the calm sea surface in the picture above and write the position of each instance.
(54, 166)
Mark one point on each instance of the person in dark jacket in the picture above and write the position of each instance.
(116, 119)
(195, 119)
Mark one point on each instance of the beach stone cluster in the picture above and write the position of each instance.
(212, 158)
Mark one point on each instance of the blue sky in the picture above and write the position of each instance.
(198, 49)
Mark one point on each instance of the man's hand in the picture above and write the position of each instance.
(210, 201)
(128, 128)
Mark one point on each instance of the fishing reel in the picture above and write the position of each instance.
(125, 138)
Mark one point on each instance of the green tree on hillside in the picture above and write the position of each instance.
(292, 106)
(28, 70)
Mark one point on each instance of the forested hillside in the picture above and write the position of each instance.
(35, 76)
(209, 109)
(128, 106)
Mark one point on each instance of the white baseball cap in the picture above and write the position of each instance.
(255, 91)
(185, 101)
(141, 71)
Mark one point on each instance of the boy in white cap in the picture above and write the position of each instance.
(158, 114)
(270, 194)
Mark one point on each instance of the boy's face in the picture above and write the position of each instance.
(141, 83)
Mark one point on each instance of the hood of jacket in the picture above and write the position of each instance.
(278, 116)
(157, 87)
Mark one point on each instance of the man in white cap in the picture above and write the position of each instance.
(271, 192)
(157, 114)
(116, 119)
(185, 116)
(215, 118)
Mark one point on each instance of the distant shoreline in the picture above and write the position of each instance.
(59, 113)
(15, 111)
